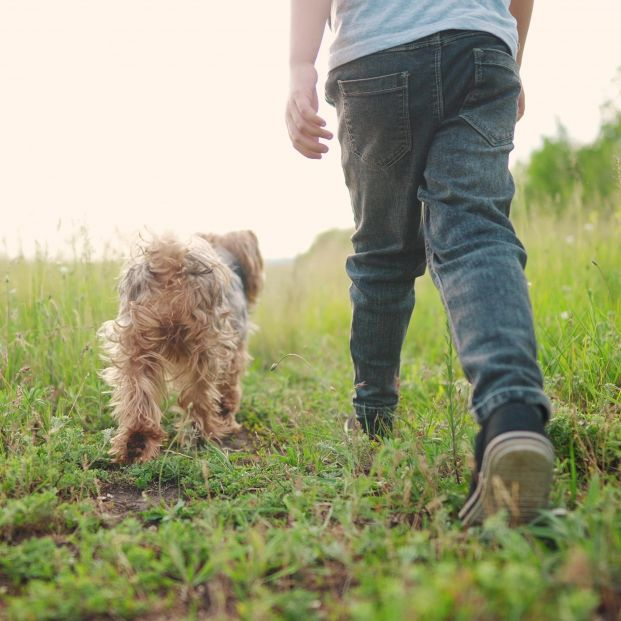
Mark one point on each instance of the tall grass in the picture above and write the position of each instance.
(294, 519)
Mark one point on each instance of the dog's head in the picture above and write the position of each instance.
(244, 247)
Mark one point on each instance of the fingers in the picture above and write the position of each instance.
(306, 128)
(309, 122)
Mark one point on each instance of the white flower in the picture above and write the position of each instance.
(565, 315)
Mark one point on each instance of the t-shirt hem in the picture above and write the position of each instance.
(378, 44)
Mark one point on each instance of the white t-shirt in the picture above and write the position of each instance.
(362, 27)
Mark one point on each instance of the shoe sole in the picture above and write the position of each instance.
(516, 475)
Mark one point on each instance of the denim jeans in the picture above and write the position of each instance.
(426, 130)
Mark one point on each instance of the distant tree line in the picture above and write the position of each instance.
(560, 173)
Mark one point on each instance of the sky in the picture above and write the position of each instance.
(124, 116)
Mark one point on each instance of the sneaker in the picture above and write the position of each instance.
(352, 425)
(375, 427)
(514, 465)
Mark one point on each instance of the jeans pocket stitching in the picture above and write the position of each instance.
(490, 133)
(404, 144)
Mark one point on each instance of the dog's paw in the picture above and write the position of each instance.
(136, 446)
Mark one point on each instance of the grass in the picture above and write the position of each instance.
(293, 519)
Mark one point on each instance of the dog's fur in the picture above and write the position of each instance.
(183, 321)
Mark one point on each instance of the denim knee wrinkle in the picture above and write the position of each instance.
(425, 131)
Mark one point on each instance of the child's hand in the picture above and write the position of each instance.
(304, 125)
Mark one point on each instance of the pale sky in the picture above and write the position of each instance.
(116, 115)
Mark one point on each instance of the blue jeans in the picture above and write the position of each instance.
(426, 130)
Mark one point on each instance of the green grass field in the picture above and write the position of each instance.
(293, 519)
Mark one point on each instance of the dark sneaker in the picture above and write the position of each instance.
(352, 425)
(376, 426)
(514, 465)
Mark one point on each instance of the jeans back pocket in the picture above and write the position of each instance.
(491, 106)
(376, 115)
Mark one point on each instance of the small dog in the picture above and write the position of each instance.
(183, 320)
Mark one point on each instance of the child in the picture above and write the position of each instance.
(427, 95)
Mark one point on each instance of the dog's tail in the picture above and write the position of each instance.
(182, 304)
(173, 310)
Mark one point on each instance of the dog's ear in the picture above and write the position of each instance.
(244, 246)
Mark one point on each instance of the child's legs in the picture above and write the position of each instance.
(403, 113)
(473, 254)
(385, 123)
(382, 272)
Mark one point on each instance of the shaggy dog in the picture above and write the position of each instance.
(183, 322)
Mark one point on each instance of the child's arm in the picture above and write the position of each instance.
(522, 11)
(308, 21)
